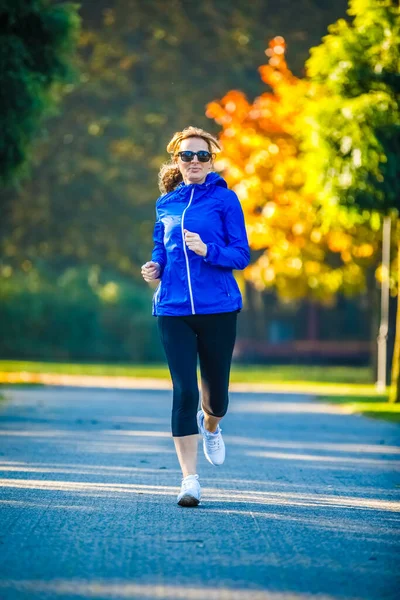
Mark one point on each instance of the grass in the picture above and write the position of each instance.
(350, 386)
(375, 406)
(240, 373)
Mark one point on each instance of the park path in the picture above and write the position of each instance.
(306, 505)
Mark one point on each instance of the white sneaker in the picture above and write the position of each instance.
(213, 444)
(190, 493)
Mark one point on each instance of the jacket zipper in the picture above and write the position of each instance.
(157, 294)
(186, 256)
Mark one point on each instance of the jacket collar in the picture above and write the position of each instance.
(211, 179)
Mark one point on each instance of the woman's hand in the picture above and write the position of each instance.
(150, 271)
(195, 243)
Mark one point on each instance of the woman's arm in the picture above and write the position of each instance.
(159, 254)
(236, 254)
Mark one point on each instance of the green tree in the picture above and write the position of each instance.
(37, 45)
(354, 116)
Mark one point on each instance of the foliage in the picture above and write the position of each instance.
(37, 46)
(355, 121)
(355, 141)
(303, 249)
(145, 73)
(83, 314)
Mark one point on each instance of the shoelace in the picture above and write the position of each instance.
(213, 443)
(186, 483)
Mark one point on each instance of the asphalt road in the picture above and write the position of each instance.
(306, 505)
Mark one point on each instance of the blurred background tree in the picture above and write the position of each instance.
(354, 120)
(37, 49)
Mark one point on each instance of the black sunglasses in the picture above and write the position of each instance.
(188, 155)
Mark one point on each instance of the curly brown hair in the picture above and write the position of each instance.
(169, 175)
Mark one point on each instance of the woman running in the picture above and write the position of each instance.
(199, 237)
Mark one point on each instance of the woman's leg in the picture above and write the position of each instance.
(216, 340)
(186, 451)
(180, 346)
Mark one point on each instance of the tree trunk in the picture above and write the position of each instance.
(394, 395)
(374, 312)
(391, 337)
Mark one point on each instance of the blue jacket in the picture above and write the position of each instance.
(193, 284)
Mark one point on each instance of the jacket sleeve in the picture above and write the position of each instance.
(236, 254)
(159, 254)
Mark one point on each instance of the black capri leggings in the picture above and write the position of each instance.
(212, 338)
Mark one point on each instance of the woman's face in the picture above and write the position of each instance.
(194, 171)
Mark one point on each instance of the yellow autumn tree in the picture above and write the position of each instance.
(302, 248)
